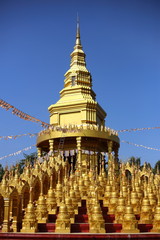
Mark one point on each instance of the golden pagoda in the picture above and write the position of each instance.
(80, 117)
(77, 183)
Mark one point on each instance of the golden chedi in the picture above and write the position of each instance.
(129, 223)
(152, 198)
(135, 200)
(113, 201)
(87, 181)
(107, 194)
(29, 223)
(63, 220)
(156, 219)
(146, 215)
(120, 209)
(58, 190)
(51, 199)
(77, 193)
(96, 221)
(82, 187)
(124, 187)
(41, 209)
(91, 200)
(74, 199)
(138, 189)
(100, 187)
(70, 208)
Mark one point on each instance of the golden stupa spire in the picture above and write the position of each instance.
(77, 103)
(78, 73)
(78, 40)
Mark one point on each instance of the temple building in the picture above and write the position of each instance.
(77, 184)
(83, 134)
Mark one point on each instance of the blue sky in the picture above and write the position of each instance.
(121, 41)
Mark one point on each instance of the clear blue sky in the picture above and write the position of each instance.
(121, 39)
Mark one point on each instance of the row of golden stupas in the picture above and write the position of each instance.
(81, 163)
(28, 199)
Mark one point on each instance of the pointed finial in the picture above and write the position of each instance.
(158, 195)
(129, 197)
(78, 40)
(31, 195)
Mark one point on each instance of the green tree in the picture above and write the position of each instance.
(147, 166)
(28, 158)
(135, 161)
(1, 172)
(157, 167)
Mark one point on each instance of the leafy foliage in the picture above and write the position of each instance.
(135, 161)
(157, 167)
(28, 158)
(1, 172)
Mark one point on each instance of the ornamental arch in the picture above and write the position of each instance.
(25, 192)
(36, 189)
(45, 180)
(144, 178)
(15, 210)
(1, 210)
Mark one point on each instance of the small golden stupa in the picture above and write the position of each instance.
(77, 183)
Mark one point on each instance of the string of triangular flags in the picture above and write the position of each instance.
(137, 129)
(21, 114)
(28, 148)
(17, 136)
(139, 145)
(27, 117)
(18, 152)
